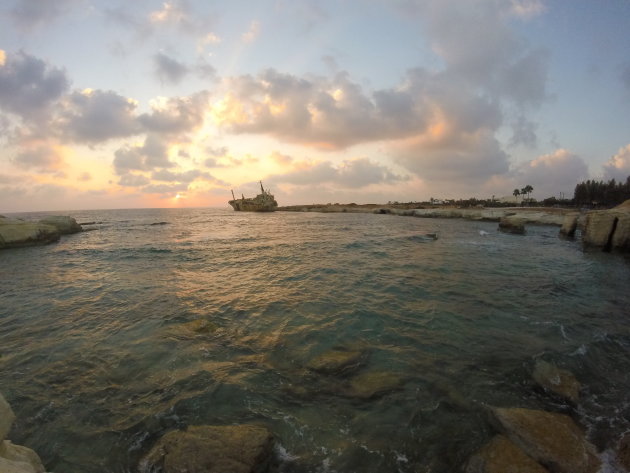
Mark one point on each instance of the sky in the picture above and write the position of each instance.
(119, 104)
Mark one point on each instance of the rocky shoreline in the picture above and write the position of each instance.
(605, 229)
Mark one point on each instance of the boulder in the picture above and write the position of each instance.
(569, 225)
(556, 380)
(66, 225)
(553, 440)
(500, 455)
(6, 418)
(608, 229)
(17, 233)
(512, 224)
(212, 449)
(22, 459)
(337, 361)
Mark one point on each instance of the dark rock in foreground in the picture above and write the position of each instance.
(212, 449)
(556, 380)
(553, 440)
(500, 455)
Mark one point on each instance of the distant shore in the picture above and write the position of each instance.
(535, 215)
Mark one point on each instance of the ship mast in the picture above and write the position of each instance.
(261, 187)
(233, 198)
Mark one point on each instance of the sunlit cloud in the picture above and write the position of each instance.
(252, 33)
(3, 57)
(618, 166)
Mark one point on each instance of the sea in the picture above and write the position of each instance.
(159, 319)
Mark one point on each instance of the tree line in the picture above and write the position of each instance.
(601, 194)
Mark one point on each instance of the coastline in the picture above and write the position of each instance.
(529, 215)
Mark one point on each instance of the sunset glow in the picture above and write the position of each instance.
(164, 103)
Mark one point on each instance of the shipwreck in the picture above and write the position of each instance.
(263, 202)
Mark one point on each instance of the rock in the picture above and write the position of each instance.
(200, 326)
(608, 229)
(6, 418)
(18, 233)
(553, 440)
(500, 455)
(212, 449)
(561, 382)
(66, 225)
(21, 458)
(512, 224)
(623, 452)
(337, 361)
(569, 225)
(373, 383)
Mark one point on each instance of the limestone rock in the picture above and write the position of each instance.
(212, 449)
(608, 229)
(553, 440)
(569, 225)
(336, 361)
(17, 233)
(512, 224)
(6, 418)
(500, 455)
(373, 383)
(561, 382)
(21, 457)
(66, 225)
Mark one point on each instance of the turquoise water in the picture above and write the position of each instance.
(98, 357)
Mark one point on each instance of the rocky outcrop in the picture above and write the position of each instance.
(608, 229)
(66, 225)
(15, 233)
(551, 439)
(212, 449)
(623, 452)
(556, 380)
(372, 384)
(500, 455)
(15, 458)
(512, 224)
(569, 225)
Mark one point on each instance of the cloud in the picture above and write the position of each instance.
(164, 175)
(151, 154)
(95, 116)
(354, 173)
(552, 173)
(618, 166)
(168, 69)
(625, 75)
(29, 14)
(29, 86)
(527, 8)
(252, 33)
(43, 157)
(85, 176)
(176, 115)
(165, 189)
(133, 180)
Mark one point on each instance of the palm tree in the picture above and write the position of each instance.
(516, 193)
(527, 190)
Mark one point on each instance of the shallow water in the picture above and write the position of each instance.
(98, 361)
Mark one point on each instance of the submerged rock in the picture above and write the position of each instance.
(212, 449)
(553, 440)
(512, 224)
(337, 361)
(500, 455)
(373, 383)
(556, 380)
